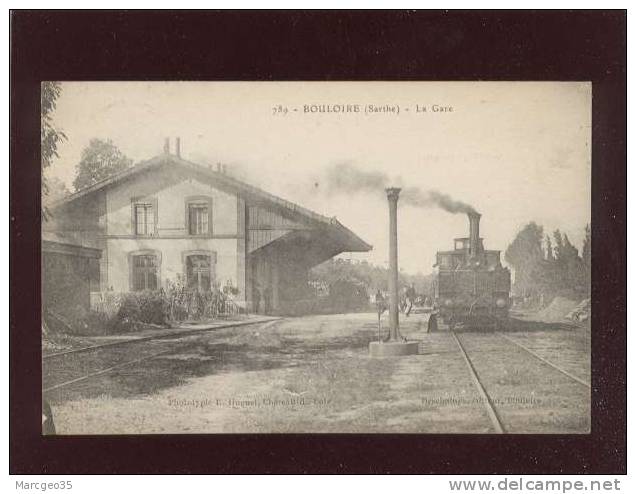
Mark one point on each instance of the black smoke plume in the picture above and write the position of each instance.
(345, 178)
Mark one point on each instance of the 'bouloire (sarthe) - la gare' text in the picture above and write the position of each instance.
(373, 108)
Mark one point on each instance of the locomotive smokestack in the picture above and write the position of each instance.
(474, 247)
(392, 195)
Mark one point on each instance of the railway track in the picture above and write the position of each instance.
(491, 411)
(546, 361)
(149, 338)
(482, 382)
(70, 367)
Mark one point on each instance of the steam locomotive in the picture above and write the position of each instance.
(471, 286)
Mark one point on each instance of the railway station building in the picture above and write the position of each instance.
(168, 218)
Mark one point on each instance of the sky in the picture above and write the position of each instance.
(515, 151)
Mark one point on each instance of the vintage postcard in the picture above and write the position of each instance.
(316, 257)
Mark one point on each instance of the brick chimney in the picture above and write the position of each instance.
(177, 147)
(166, 146)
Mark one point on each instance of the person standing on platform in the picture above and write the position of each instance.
(410, 299)
(267, 299)
(256, 297)
(380, 304)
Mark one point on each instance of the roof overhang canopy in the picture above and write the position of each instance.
(307, 247)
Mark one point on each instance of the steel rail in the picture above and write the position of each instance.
(103, 371)
(154, 337)
(488, 404)
(545, 361)
(266, 324)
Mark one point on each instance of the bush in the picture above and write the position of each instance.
(106, 302)
(80, 322)
(151, 308)
(116, 313)
(145, 307)
(97, 324)
(125, 312)
(181, 303)
(128, 308)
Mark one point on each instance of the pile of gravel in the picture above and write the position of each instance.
(557, 310)
(581, 312)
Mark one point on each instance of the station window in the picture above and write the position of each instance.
(199, 215)
(144, 272)
(144, 219)
(144, 216)
(199, 272)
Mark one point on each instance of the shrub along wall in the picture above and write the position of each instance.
(113, 312)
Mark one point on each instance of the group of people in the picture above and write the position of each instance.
(266, 297)
(407, 299)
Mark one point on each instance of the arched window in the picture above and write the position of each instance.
(200, 270)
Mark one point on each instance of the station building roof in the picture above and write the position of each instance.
(346, 239)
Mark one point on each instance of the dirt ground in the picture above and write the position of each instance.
(313, 374)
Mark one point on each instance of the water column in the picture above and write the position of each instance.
(395, 346)
(392, 195)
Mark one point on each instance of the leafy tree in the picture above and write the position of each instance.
(373, 277)
(572, 266)
(556, 270)
(549, 254)
(50, 136)
(586, 255)
(568, 267)
(569, 251)
(57, 190)
(558, 245)
(525, 254)
(586, 252)
(100, 160)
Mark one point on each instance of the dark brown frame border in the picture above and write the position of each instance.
(319, 45)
